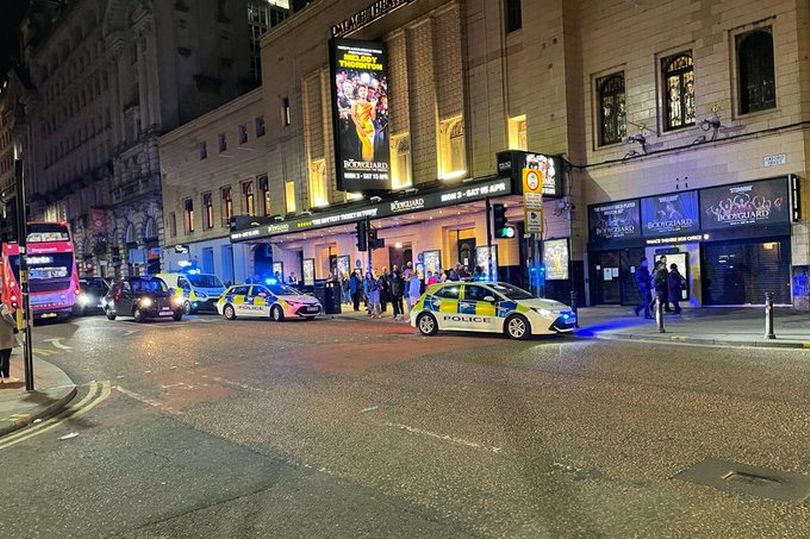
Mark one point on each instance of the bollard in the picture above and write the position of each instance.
(574, 307)
(769, 334)
(659, 312)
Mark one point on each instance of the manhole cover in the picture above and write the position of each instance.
(744, 479)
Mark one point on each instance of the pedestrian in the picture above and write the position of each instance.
(432, 277)
(292, 279)
(373, 295)
(659, 281)
(385, 290)
(451, 275)
(643, 286)
(675, 284)
(355, 287)
(478, 273)
(8, 340)
(397, 291)
(346, 296)
(414, 290)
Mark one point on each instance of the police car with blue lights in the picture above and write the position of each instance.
(492, 307)
(269, 300)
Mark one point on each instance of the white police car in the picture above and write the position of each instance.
(493, 307)
(275, 301)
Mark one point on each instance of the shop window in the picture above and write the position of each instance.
(223, 142)
(203, 150)
(248, 198)
(227, 206)
(517, 133)
(452, 152)
(208, 211)
(188, 215)
(679, 90)
(264, 186)
(289, 196)
(612, 115)
(318, 190)
(514, 15)
(260, 130)
(755, 71)
(243, 135)
(401, 162)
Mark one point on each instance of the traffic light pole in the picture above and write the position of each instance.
(489, 241)
(25, 304)
(368, 245)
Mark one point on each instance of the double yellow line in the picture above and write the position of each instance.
(97, 393)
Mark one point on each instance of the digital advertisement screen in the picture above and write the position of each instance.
(360, 115)
(745, 204)
(614, 220)
(670, 214)
(555, 259)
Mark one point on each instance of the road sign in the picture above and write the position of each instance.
(534, 221)
(533, 200)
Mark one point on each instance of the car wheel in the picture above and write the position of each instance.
(177, 316)
(277, 313)
(187, 308)
(110, 314)
(138, 315)
(427, 324)
(517, 327)
(229, 313)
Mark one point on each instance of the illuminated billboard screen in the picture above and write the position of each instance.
(360, 115)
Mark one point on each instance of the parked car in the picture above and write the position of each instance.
(274, 301)
(200, 291)
(142, 298)
(91, 296)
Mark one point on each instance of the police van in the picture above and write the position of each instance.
(493, 307)
(200, 291)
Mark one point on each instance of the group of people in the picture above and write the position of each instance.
(666, 284)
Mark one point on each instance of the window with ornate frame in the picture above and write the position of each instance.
(678, 73)
(248, 198)
(208, 211)
(264, 187)
(188, 215)
(227, 205)
(756, 78)
(612, 115)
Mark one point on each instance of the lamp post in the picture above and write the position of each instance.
(24, 309)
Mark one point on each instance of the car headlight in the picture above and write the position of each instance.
(146, 302)
(84, 300)
(545, 313)
(177, 300)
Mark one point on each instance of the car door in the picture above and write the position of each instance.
(477, 308)
(123, 302)
(448, 309)
(263, 299)
(239, 301)
(185, 286)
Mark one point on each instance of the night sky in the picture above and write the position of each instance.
(13, 10)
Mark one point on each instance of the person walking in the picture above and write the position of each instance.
(659, 281)
(355, 287)
(373, 295)
(8, 328)
(643, 286)
(397, 291)
(385, 290)
(414, 290)
(675, 285)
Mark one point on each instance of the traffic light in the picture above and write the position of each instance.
(500, 223)
(373, 241)
(362, 235)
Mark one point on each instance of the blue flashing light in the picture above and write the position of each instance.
(185, 263)
(270, 281)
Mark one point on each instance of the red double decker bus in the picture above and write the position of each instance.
(52, 275)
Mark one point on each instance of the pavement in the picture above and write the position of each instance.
(743, 327)
(53, 391)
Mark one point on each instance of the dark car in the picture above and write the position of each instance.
(91, 296)
(142, 298)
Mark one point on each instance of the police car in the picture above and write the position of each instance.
(275, 301)
(493, 307)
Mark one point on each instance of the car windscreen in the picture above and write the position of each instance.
(202, 280)
(149, 285)
(511, 292)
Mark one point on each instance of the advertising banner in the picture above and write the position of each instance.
(745, 204)
(555, 259)
(614, 220)
(360, 115)
(675, 213)
(309, 271)
(512, 162)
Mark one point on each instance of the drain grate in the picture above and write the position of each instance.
(744, 479)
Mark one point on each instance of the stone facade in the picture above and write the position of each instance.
(108, 77)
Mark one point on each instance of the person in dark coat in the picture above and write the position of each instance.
(659, 282)
(397, 291)
(675, 285)
(643, 285)
(355, 288)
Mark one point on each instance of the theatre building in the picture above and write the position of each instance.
(426, 163)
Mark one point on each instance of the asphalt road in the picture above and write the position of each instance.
(340, 428)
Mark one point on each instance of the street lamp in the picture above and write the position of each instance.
(24, 310)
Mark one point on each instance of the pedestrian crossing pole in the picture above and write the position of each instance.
(24, 307)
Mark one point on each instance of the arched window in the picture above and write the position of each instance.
(755, 67)
(129, 235)
(612, 117)
(679, 91)
(149, 230)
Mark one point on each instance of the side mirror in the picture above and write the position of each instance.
(489, 299)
